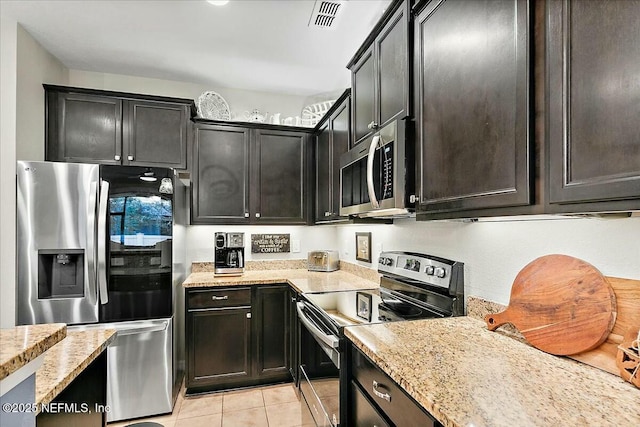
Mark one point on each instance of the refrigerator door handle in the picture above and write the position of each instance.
(102, 242)
(91, 240)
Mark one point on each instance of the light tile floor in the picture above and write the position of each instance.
(268, 406)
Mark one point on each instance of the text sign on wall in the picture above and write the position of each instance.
(269, 243)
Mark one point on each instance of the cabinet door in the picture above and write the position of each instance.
(340, 138)
(220, 175)
(393, 71)
(472, 105)
(294, 355)
(272, 332)
(87, 129)
(279, 181)
(155, 134)
(324, 168)
(363, 96)
(593, 87)
(219, 347)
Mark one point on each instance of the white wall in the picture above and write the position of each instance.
(494, 252)
(200, 240)
(35, 67)
(239, 100)
(8, 75)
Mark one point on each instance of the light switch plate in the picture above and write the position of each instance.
(295, 245)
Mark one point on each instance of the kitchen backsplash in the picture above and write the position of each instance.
(290, 264)
(493, 252)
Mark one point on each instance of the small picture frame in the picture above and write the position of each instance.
(363, 305)
(363, 247)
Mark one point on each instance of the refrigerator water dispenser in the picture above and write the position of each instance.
(61, 273)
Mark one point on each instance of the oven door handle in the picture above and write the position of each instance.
(370, 158)
(330, 340)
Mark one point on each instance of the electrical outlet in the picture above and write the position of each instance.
(295, 245)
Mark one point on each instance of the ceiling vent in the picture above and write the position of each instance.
(325, 13)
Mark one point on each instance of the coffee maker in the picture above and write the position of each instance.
(229, 253)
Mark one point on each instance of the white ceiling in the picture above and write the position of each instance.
(263, 45)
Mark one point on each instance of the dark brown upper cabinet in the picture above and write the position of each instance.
(593, 97)
(279, 177)
(253, 174)
(220, 174)
(473, 145)
(332, 140)
(380, 74)
(92, 126)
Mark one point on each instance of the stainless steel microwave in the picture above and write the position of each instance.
(376, 176)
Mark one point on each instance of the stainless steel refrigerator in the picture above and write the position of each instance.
(101, 246)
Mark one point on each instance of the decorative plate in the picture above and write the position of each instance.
(212, 106)
(312, 114)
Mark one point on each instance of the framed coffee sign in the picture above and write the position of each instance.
(270, 243)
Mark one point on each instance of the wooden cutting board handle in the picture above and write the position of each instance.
(495, 320)
(560, 304)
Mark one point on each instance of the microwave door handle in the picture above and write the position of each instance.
(102, 242)
(370, 158)
(329, 340)
(91, 239)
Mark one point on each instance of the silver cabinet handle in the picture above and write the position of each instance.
(129, 157)
(248, 315)
(246, 214)
(385, 396)
(217, 298)
(327, 214)
(372, 125)
(257, 214)
(116, 157)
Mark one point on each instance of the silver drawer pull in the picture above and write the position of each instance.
(216, 298)
(385, 396)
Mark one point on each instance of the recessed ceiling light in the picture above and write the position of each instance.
(218, 2)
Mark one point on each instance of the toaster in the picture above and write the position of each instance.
(322, 261)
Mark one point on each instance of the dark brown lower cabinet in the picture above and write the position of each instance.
(271, 329)
(373, 398)
(237, 337)
(364, 413)
(221, 340)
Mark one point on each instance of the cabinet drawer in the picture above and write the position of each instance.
(218, 298)
(364, 413)
(401, 409)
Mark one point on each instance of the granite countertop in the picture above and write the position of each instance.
(301, 279)
(465, 375)
(67, 359)
(23, 344)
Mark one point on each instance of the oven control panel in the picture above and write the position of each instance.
(432, 270)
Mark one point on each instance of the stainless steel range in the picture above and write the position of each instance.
(412, 286)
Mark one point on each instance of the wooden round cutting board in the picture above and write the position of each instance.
(560, 304)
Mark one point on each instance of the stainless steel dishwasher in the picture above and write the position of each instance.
(140, 368)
